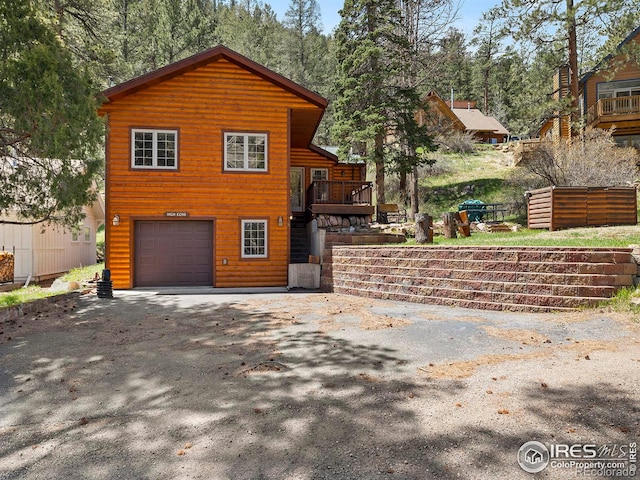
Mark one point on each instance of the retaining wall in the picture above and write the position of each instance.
(15, 312)
(495, 278)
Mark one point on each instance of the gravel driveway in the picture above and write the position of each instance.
(306, 386)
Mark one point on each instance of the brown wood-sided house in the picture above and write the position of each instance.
(208, 163)
(463, 116)
(609, 96)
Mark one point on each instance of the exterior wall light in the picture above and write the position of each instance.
(280, 221)
(116, 220)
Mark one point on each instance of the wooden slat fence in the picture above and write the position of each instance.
(566, 207)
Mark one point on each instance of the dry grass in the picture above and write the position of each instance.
(465, 369)
(334, 315)
(526, 337)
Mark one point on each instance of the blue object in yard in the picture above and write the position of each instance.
(475, 209)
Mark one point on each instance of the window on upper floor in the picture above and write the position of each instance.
(245, 152)
(154, 149)
(623, 88)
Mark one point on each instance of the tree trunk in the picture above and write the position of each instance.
(403, 187)
(424, 228)
(486, 92)
(573, 66)
(379, 158)
(415, 198)
(450, 225)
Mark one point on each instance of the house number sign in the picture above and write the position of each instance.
(176, 214)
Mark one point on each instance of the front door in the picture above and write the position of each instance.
(297, 189)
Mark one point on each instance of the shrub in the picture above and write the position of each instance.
(458, 142)
(441, 166)
(516, 184)
(593, 161)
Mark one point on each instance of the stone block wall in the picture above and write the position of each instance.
(496, 278)
(333, 239)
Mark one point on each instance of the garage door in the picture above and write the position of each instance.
(173, 253)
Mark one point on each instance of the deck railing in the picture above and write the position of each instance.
(606, 107)
(339, 193)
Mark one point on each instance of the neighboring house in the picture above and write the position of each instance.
(463, 117)
(209, 164)
(609, 97)
(559, 125)
(46, 251)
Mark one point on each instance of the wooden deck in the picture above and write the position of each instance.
(335, 209)
(340, 198)
(525, 149)
(615, 110)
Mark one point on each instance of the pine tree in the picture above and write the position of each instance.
(302, 21)
(487, 38)
(455, 70)
(49, 129)
(252, 29)
(375, 106)
(173, 29)
(423, 23)
(544, 22)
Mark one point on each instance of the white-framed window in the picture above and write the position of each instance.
(621, 88)
(75, 233)
(254, 238)
(319, 174)
(322, 189)
(87, 234)
(245, 152)
(154, 148)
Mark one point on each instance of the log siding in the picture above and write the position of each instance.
(203, 104)
(612, 69)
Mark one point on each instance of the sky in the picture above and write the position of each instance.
(470, 12)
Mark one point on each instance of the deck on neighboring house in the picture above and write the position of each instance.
(615, 110)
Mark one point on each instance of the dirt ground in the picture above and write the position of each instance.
(307, 386)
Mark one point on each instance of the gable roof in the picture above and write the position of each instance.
(324, 152)
(470, 119)
(476, 121)
(435, 99)
(98, 208)
(624, 42)
(304, 121)
(204, 58)
(499, 128)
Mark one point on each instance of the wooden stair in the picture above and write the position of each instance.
(299, 246)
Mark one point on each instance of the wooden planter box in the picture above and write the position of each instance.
(565, 207)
